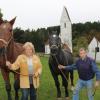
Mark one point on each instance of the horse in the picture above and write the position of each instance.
(9, 50)
(63, 57)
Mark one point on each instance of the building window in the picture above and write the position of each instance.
(64, 25)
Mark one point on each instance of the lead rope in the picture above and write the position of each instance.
(37, 93)
(94, 91)
(60, 69)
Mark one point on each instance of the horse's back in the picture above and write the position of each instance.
(18, 49)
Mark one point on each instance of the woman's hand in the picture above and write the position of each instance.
(8, 64)
(97, 84)
(36, 74)
(61, 66)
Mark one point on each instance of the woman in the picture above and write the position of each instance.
(30, 69)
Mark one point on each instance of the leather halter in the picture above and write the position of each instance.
(7, 42)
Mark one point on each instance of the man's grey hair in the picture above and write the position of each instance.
(82, 49)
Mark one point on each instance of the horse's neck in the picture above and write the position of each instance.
(10, 49)
(59, 54)
(10, 46)
(61, 57)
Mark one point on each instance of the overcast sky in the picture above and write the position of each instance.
(43, 13)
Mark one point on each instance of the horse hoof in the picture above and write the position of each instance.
(67, 98)
(59, 98)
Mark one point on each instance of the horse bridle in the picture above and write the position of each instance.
(57, 46)
(7, 42)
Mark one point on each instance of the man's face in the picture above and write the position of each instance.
(82, 54)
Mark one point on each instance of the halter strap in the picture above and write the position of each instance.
(3, 41)
(6, 42)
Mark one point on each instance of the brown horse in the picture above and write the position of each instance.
(9, 50)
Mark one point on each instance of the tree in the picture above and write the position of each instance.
(1, 15)
(18, 35)
(78, 43)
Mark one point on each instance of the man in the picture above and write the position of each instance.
(86, 68)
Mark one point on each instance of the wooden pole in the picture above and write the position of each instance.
(96, 50)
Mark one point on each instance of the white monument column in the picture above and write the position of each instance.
(66, 29)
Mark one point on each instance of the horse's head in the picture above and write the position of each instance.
(6, 32)
(54, 43)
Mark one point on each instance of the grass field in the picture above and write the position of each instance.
(47, 90)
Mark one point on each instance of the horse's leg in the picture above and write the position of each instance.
(16, 86)
(5, 75)
(72, 79)
(65, 84)
(57, 84)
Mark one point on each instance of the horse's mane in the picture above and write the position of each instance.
(66, 48)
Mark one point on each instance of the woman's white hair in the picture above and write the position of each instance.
(29, 44)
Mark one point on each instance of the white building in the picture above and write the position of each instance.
(66, 28)
(47, 49)
(65, 31)
(91, 49)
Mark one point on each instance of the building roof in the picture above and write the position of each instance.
(67, 13)
(97, 38)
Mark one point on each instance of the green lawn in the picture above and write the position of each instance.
(47, 90)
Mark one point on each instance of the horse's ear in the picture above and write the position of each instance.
(12, 21)
(1, 21)
(54, 32)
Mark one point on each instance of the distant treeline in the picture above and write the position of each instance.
(82, 35)
(37, 37)
(90, 29)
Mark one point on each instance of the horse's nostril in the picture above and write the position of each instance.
(54, 46)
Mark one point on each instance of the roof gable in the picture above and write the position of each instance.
(94, 40)
(65, 15)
